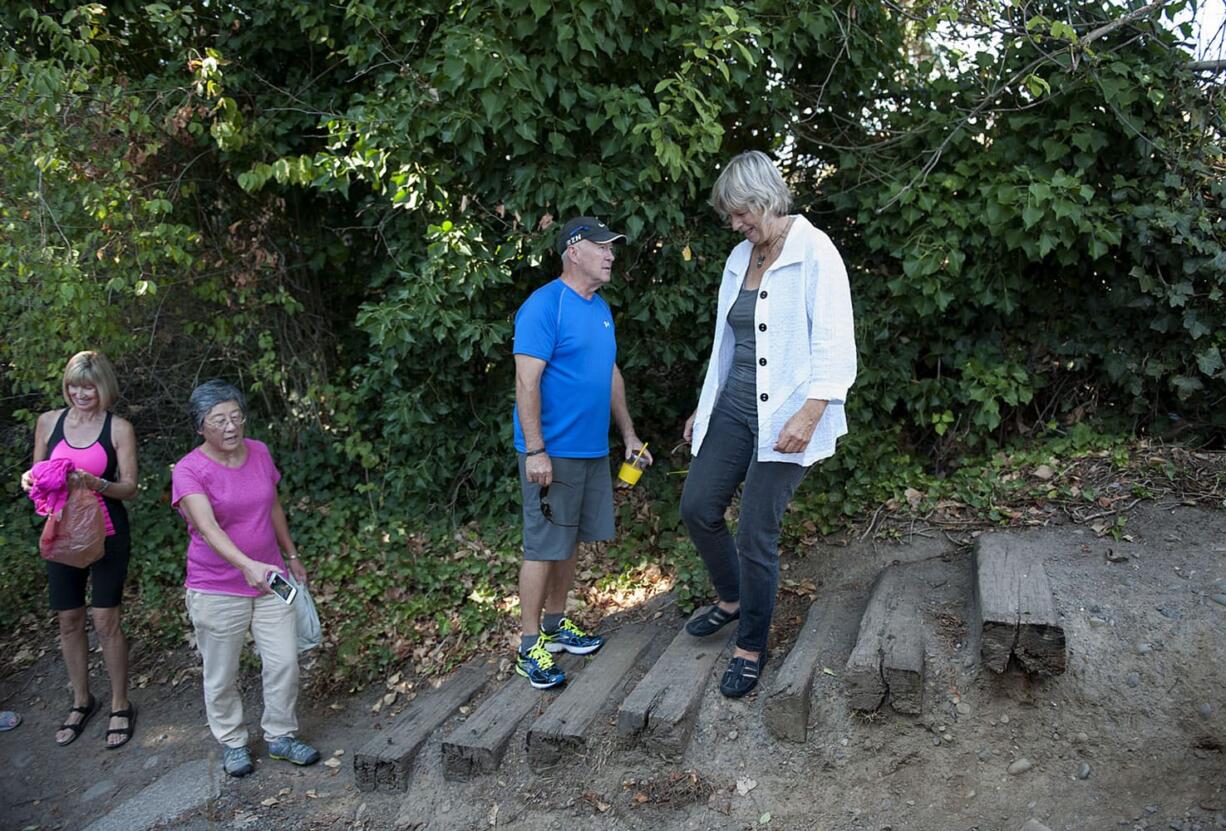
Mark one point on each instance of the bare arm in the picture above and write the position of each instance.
(42, 429)
(280, 526)
(124, 439)
(200, 514)
(621, 417)
(528, 371)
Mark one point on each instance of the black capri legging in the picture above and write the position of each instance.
(67, 583)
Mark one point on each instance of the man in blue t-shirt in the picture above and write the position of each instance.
(566, 386)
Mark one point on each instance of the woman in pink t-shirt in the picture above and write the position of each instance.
(226, 489)
(102, 449)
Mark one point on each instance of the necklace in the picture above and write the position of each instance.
(762, 256)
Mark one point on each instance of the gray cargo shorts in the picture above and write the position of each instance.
(578, 507)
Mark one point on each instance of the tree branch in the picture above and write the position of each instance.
(1108, 28)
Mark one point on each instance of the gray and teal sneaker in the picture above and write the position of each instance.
(571, 638)
(538, 667)
(292, 750)
(236, 761)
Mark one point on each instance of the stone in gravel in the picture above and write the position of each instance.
(1220, 599)
(1004, 719)
(1169, 614)
(1081, 738)
(1020, 766)
(1096, 621)
(1083, 770)
(963, 708)
(1144, 648)
(1034, 825)
(152, 762)
(1205, 710)
(1133, 680)
(98, 789)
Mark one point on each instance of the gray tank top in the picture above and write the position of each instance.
(741, 389)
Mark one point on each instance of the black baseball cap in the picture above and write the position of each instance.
(588, 228)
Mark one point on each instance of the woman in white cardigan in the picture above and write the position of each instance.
(783, 359)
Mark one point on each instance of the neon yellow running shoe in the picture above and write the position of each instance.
(571, 638)
(538, 667)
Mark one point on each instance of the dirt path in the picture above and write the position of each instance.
(1133, 736)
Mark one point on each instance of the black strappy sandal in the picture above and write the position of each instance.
(742, 676)
(87, 713)
(126, 732)
(711, 622)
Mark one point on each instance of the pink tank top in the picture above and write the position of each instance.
(91, 459)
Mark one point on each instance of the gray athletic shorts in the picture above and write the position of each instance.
(580, 503)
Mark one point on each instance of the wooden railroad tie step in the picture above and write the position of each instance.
(888, 659)
(661, 710)
(786, 711)
(386, 761)
(478, 745)
(1014, 606)
(566, 725)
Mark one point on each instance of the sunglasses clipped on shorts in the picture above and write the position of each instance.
(547, 506)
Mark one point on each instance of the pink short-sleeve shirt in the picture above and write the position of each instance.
(242, 499)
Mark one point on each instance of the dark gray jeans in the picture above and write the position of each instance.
(746, 569)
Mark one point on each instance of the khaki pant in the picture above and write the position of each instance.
(222, 622)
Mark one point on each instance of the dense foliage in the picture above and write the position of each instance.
(341, 205)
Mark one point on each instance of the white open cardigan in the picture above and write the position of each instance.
(806, 350)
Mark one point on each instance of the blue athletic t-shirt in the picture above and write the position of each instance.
(576, 340)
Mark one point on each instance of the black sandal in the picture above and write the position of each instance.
(742, 676)
(711, 622)
(87, 713)
(126, 732)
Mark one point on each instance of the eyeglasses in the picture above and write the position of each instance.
(220, 422)
(547, 506)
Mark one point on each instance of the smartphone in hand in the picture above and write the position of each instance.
(282, 588)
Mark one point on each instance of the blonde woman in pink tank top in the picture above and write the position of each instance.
(102, 447)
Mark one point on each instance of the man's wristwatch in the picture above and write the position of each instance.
(536, 452)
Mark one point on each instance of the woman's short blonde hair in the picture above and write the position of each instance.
(751, 182)
(92, 368)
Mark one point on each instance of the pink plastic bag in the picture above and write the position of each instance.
(78, 536)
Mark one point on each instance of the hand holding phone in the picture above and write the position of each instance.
(281, 587)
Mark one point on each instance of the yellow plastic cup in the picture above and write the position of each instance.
(632, 470)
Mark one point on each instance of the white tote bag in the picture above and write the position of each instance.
(309, 634)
